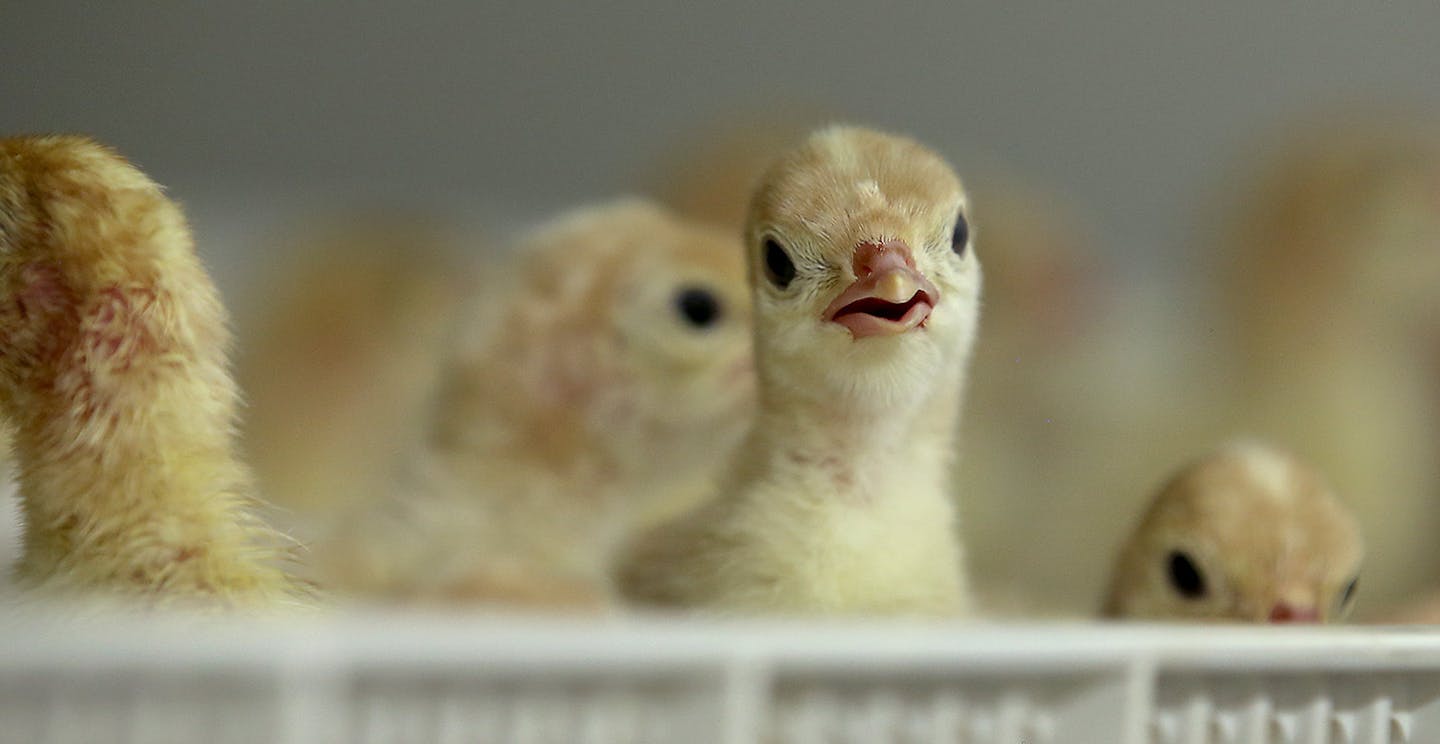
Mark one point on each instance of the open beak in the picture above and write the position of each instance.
(889, 296)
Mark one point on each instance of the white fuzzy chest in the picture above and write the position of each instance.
(848, 536)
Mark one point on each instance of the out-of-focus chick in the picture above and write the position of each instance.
(866, 300)
(602, 379)
(113, 374)
(1246, 534)
(340, 370)
(1330, 278)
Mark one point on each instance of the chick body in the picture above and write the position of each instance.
(838, 501)
(113, 373)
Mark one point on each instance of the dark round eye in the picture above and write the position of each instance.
(1349, 592)
(961, 237)
(698, 307)
(778, 266)
(1185, 576)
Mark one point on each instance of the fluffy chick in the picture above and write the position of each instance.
(866, 300)
(113, 374)
(1247, 534)
(599, 381)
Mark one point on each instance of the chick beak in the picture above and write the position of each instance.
(1283, 612)
(889, 295)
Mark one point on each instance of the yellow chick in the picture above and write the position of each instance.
(113, 375)
(598, 382)
(1246, 534)
(866, 295)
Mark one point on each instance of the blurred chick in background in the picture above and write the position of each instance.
(1329, 276)
(113, 374)
(339, 371)
(1246, 534)
(866, 294)
(599, 379)
(1327, 273)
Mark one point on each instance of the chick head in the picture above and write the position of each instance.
(1247, 534)
(865, 283)
(630, 322)
(680, 316)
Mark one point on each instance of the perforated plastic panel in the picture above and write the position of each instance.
(391, 678)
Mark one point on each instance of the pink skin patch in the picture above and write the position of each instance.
(43, 291)
(837, 468)
(118, 330)
(889, 296)
(53, 327)
(35, 320)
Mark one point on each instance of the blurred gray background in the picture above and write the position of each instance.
(1133, 110)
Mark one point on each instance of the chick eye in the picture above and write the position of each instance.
(778, 266)
(698, 307)
(961, 237)
(1185, 577)
(1349, 592)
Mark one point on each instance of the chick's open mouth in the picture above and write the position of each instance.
(868, 315)
(884, 309)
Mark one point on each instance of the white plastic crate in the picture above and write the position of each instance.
(403, 678)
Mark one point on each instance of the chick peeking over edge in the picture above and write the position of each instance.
(1247, 534)
(866, 300)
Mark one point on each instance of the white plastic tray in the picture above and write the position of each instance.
(406, 678)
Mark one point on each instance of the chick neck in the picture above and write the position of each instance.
(866, 442)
